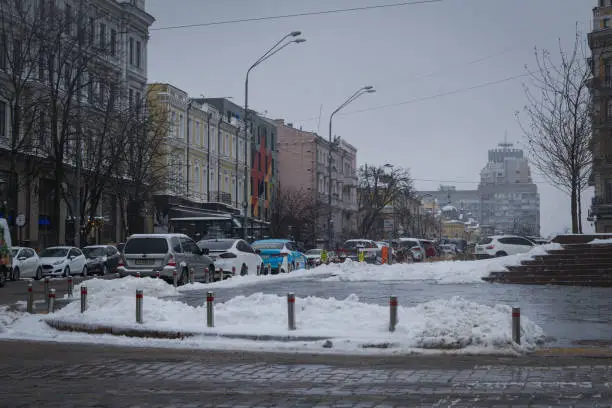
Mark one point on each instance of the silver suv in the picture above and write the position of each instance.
(148, 254)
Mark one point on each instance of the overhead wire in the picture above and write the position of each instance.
(293, 15)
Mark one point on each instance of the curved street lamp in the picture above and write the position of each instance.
(357, 94)
(282, 43)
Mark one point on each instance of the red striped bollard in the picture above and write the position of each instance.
(30, 298)
(516, 325)
(157, 274)
(83, 298)
(139, 296)
(210, 313)
(70, 286)
(291, 310)
(51, 304)
(258, 271)
(138, 274)
(392, 313)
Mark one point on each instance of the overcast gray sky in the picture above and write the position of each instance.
(413, 55)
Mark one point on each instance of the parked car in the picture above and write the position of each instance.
(26, 263)
(232, 257)
(6, 258)
(101, 259)
(502, 245)
(148, 254)
(63, 261)
(274, 251)
(430, 248)
(313, 256)
(351, 248)
(408, 250)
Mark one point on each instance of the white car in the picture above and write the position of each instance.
(313, 256)
(502, 245)
(26, 263)
(232, 257)
(63, 261)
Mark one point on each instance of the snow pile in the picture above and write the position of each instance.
(440, 325)
(597, 241)
(100, 290)
(441, 272)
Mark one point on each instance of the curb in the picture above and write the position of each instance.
(592, 352)
(167, 334)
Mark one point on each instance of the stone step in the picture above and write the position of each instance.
(560, 271)
(536, 280)
(577, 268)
(579, 252)
(565, 257)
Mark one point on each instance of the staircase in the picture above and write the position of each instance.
(577, 264)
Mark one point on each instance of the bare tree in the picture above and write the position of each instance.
(143, 161)
(558, 121)
(293, 214)
(20, 30)
(379, 187)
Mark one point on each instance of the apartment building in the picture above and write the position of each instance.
(111, 36)
(304, 165)
(506, 198)
(600, 43)
(205, 157)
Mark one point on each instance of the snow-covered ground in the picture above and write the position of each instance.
(443, 325)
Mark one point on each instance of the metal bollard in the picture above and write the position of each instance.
(191, 275)
(210, 313)
(174, 278)
(291, 310)
(47, 286)
(258, 271)
(83, 299)
(70, 286)
(390, 256)
(392, 313)
(30, 299)
(138, 274)
(516, 325)
(51, 303)
(157, 274)
(269, 269)
(138, 305)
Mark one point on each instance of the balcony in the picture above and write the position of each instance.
(601, 206)
(221, 197)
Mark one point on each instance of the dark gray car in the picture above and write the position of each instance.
(149, 254)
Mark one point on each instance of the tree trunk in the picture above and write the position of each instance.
(579, 211)
(574, 209)
(57, 200)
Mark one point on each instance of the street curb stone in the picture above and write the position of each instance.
(166, 334)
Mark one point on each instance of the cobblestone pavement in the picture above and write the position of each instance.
(70, 375)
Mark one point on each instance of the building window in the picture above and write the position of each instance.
(92, 30)
(197, 131)
(102, 36)
(138, 54)
(181, 126)
(68, 19)
(196, 176)
(3, 51)
(204, 181)
(113, 42)
(131, 51)
(3, 120)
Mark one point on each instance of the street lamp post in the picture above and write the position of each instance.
(275, 49)
(360, 91)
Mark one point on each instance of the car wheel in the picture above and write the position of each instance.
(104, 269)
(38, 275)
(15, 275)
(244, 270)
(501, 253)
(67, 272)
(84, 271)
(3, 278)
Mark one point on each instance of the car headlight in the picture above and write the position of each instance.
(58, 262)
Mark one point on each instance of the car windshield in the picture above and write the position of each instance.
(409, 244)
(14, 252)
(217, 245)
(357, 244)
(94, 252)
(152, 245)
(268, 245)
(314, 252)
(54, 253)
(485, 241)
